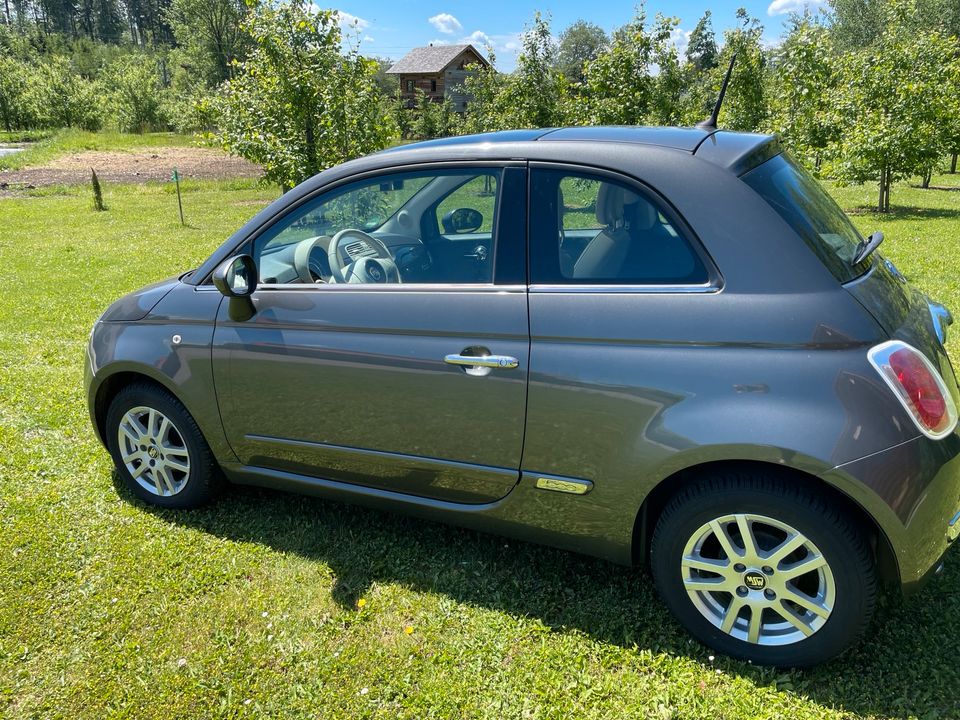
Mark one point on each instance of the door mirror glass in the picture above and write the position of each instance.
(462, 220)
(236, 276)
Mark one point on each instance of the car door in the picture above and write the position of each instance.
(375, 383)
(613, 271)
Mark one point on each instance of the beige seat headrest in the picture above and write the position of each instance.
(611, 200)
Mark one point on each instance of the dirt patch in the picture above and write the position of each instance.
(129, 167)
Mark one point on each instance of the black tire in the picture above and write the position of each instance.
(200, 484)
(837, 537)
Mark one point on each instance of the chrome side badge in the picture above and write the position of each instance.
(564, 485)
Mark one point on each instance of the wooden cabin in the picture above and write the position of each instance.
(438, 71)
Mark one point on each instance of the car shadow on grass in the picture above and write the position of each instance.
(907, 666)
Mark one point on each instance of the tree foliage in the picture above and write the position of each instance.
(804, 78)
(702, 51)
(299, 103)
(579, 44)
(620, 86)
(891, 103)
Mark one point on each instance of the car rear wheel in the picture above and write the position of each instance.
(764, 569)
(158, 449)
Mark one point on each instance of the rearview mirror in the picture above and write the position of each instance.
(462, 220)
(236, 277)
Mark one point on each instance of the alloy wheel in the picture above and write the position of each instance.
(153, 451)
(758, 579)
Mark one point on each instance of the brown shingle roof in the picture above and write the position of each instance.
(430, 59)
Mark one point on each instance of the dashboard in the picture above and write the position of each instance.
(278, 265)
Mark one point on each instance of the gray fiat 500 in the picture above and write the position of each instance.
(645, 344)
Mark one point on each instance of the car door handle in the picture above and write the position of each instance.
(503, 362)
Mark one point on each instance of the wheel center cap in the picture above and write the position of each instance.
(754, 580)
(153, 452)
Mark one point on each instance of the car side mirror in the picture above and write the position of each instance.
(462, 220)
(236, 277)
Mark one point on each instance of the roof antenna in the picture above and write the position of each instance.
(711, 122)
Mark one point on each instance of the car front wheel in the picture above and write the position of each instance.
(764, 569)
(158, 449)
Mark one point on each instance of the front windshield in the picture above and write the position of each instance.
(800, 200)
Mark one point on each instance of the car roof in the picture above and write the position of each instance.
(733, 150)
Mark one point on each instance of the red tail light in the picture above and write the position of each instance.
(918, 386)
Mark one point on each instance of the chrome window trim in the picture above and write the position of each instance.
(601, 289)
(388, 288)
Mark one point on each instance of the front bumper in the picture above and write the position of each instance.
(913, 492)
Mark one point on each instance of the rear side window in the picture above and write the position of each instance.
(800, 200)
(594, 230)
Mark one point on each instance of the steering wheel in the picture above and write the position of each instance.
(307, 271)
(384, 267)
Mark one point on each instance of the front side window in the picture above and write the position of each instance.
(588, 229)
(412, 227)
(800, 200)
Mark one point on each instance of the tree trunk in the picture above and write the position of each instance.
(886, 195)
(953, 164)
(925, 180)
(883, 187)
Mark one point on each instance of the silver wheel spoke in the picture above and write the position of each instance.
(725, 542)
(130, 457)
(803, 567)
(174, 465)
(795, 620)
(138, 471)
(167, 480)
(129, 434)
(705, 564)
(733, 610)
(165, 426)
(746, 534)
(756, 622)
(807, 603)
(156, 482)
(706, 584)
(793, 543)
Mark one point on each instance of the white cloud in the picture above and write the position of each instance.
(367, 38)
(352, 22)
(680, 38)
(478, 38)
(784, 7)
(445, 23)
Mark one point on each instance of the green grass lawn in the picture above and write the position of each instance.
(269, 604)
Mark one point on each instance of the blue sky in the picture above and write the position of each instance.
(390, 28)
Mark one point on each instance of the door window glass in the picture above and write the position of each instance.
(435, 227)
(587, 229)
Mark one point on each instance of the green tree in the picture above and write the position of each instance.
(745, 105)
(58, 96)
(432, 119)
(13, 84)
(579, 44)
(485, 86)
(620, 84)
(209, 35)
(702, 51)
(135, 93)
(299, 103)
(536, 94)
(803, 78)
(891, 103)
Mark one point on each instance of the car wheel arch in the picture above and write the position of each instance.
(113, 384)
(657, 499)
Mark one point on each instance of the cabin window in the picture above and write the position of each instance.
(409, 85)
(433, 86)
